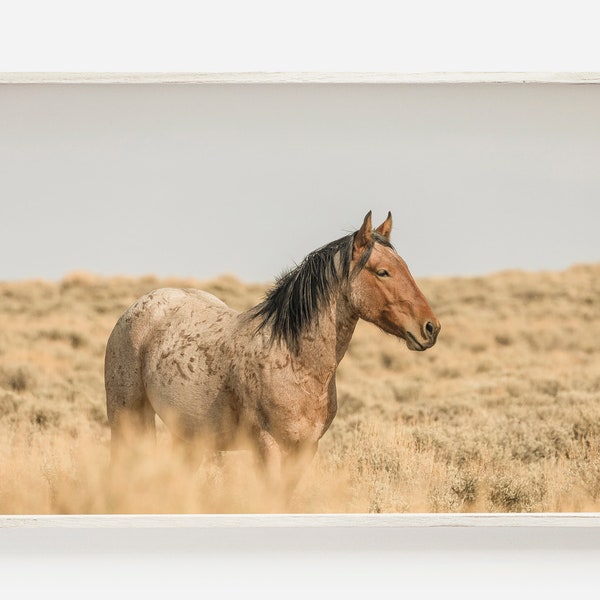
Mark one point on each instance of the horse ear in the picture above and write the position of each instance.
(363, 236)
(386, 227)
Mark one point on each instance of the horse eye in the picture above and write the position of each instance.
(382, 273)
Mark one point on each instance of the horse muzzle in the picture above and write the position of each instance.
(427, 336)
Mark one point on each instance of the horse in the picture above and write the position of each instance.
(267, 375)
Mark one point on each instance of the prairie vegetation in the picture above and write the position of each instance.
(503, 414)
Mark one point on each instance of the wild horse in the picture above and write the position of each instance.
(264, 378)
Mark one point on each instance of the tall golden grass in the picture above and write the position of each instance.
(503, 414)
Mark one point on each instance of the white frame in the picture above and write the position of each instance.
(272, 77)
(250, 521)
(357, 521)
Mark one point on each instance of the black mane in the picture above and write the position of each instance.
(294, 302)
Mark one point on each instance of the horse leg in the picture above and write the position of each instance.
(130, 415)
(132, 424)
(271, 462)
(297, 460)
(284, 468)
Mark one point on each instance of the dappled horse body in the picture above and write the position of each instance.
(264, 378)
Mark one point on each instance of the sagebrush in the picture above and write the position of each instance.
(503, 414)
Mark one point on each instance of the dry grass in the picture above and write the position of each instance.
(503, 414)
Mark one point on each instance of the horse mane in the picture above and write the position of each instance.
(293, 304)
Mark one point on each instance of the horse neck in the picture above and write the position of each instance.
(324, 347)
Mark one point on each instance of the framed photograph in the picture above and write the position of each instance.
(487, 440)
(291, 200)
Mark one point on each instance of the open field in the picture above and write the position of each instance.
(503, 414)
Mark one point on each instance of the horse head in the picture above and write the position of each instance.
(383, 291)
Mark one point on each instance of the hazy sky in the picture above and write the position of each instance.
(199, 180)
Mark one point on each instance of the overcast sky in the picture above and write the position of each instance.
(200, 180)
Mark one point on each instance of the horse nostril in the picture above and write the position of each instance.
(429, 329)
